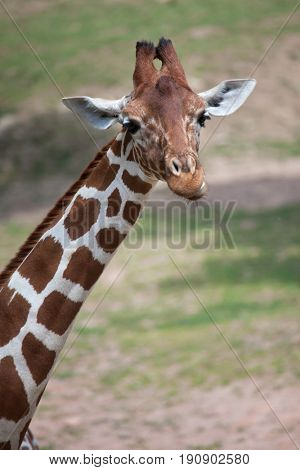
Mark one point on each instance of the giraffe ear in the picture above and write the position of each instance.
(99, 113)
(228, 96)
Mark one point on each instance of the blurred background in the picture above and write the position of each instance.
(150, 370)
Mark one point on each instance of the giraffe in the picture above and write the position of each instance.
(44, 286)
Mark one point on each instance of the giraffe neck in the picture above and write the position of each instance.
(41, 299)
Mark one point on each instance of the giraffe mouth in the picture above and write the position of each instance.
(186, 177)
(201, 193)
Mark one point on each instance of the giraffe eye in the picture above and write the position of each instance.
(202, 118)
(131, 125)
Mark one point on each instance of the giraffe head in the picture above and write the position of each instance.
(164, 116)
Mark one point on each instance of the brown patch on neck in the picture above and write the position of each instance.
(14, 311)
(131, 211)
(38, 357)
(82, 216)
(85, 277)
(135, 183)
(51, 218)
(42, 263)
(113, 203)
(13, 403)
(109, 239)
(103, 175)
(57, 312)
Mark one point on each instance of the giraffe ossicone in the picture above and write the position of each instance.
(44, 286)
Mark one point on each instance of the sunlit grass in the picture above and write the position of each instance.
(88, 43)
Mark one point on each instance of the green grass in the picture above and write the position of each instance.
(268, 148)
(281, 148)
(152, 331)
(12, 235)
(88, 43)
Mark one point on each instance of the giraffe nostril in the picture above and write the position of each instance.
(175, 166)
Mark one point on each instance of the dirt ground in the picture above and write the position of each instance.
(233, 416)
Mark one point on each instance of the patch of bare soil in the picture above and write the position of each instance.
(78, 413)
(232, 416)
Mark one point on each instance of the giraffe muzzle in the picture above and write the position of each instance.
(185, 176)
(186, 182)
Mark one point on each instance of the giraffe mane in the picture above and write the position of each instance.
(54, 214)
